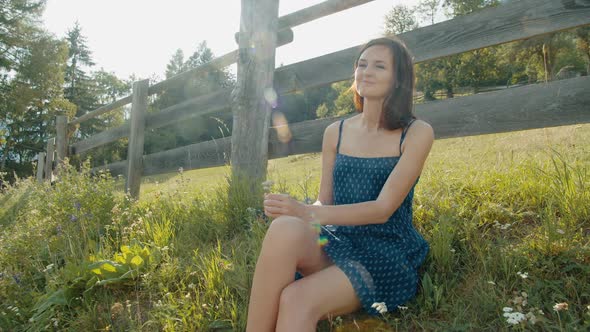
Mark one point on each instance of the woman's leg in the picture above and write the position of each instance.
(304, 302)
(290, 244)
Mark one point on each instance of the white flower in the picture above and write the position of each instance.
(560, 306)
(523, 275)
(560, 231)
(514, 317)
(507, 309)
(402, 308)
(381, 307)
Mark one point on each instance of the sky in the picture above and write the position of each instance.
(140, 36)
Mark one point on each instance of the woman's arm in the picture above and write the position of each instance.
(329, 141)
(416, 147)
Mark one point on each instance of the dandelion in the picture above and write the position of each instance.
(523, 275)
(560, 306)
(381, 307)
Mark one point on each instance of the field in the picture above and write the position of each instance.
(507, 217)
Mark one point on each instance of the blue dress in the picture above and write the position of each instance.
(381, 260)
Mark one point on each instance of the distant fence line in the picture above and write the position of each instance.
(533, 106)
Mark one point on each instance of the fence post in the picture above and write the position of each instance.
(254, 94)
(61, 140)
(40, 166)
(49, 158)
(136, 137)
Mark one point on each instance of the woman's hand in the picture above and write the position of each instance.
(276, 205)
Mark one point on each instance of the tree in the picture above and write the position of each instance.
(78, 87)
(400, 19)
(464, 7)
(199, 128)
(34, 99)
(427, 10)
(583, 44)
(17, 26)
(176, 64)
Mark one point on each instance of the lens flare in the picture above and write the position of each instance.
(281, 125)
(322, 240)
(271, 97)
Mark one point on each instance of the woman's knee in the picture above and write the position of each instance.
(294, 302)
(287, 230)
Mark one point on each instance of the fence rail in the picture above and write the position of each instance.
(535, 106)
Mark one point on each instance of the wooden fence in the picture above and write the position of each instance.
(533, 106)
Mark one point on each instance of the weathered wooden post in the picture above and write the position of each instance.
(136, 137)
(61, 138)
(254, 93)
(40, 166)
(49, 158)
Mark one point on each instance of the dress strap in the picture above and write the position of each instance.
(404, 134)
(339, 136)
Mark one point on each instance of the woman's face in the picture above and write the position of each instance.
(374, 72)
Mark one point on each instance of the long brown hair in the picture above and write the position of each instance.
(398, 106)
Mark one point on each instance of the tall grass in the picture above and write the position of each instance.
(507, 217)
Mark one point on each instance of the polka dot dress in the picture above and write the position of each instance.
(381, 260)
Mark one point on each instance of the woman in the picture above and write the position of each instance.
(367, 252)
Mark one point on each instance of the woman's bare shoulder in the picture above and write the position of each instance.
(421, 128)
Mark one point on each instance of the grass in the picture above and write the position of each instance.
(507, 217)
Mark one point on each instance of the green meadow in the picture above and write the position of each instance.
(507, 217)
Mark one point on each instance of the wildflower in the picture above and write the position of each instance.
(560, 306)
(180, 170)
(523, 275)
(73, 218)
(491, 283)
(48, 268)
(381, 307)
(267, 185)
(514, 317)
(560, 231)
(77, 206)
(402, 308)
(191, 285)
(507, 309)
(452, 250)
